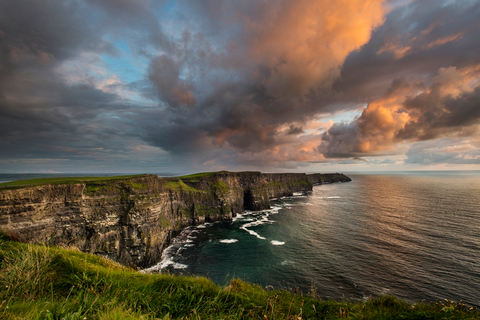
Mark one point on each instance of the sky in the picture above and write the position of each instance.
(157, 86)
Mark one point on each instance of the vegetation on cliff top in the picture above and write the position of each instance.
(60, 180)
(40, 282)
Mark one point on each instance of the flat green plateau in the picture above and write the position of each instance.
(41, 282)
(59, 180)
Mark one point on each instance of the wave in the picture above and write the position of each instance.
(253, 233)
(177, 265)
(229, 240)
(329, 197)
(262, 218)
(277, 243)
(174, 251)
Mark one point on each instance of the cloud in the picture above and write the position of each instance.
(164, 73)
(244, 84)
(301, 45)
(417, 39)
(52, 103)
(445, 151)
(417, 76)
(410, 111)
(278, 59)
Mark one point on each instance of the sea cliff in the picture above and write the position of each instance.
(132, 219)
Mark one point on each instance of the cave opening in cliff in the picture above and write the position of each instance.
(248, 202)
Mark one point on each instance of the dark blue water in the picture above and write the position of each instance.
(415, 236)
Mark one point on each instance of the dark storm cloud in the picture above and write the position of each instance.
(438, 116)
(274, 61)
(135, 21)
(41, 114)
(340, 141)
(419, 75)
(44, 32)
(164, 73)
(229, 82)
(449, 107)
(415, 40)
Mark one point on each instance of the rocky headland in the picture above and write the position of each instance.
(132, 219)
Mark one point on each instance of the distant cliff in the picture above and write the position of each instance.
(132, 219)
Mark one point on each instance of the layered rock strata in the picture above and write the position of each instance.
(131, 220)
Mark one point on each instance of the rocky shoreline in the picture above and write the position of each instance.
(132, 220)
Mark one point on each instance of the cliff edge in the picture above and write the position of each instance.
(132, 219)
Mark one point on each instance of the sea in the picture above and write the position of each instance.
(413, 235)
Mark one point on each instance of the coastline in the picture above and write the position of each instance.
(131, 219)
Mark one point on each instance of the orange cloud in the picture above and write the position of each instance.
(446, 106)
(380, 122)
(444, 40)
(385, 117)
(398, 50)
(305, 42)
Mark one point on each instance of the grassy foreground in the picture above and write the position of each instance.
(40, 282)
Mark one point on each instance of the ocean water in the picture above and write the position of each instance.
(412, 235)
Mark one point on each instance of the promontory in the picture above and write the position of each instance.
(131, 219)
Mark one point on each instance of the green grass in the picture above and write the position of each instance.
(198, 175)
(179, 185)
(137, 185)
(219, 186)
(59, 180)
(40, 282)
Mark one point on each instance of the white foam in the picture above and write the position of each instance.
(255, 223)
(158, 267)
(238, 216)
(253, 233)
(203, 226)
(229, 240)
(261, 218)
(330, 197)
(287, 262)
(173, 251)
(277, 243)
(177, 265)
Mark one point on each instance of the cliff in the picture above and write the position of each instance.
(132, 219)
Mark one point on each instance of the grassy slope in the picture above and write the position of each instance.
(58, 180)
(39, 282)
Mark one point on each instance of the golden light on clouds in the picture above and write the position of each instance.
(239, 83)
(305, 42)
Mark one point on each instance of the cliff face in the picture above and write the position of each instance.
(131, 220)
(323, 178)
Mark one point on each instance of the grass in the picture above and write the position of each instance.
(198, 175)
(179, 185)
(40, 282)
(59, 180)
